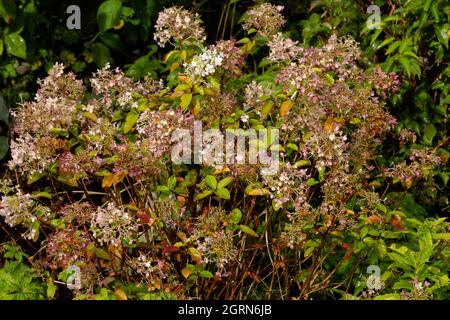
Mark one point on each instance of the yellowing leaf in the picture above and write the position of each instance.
(119, 25)
(329, 125)
(120, 294)
(197, 108)
(286, 106)
(174, 66)
(183, 55)
(132, 118)
(108, 180)
(266, 108)
(113, 178)
(258, 192)
(90, 116)
(182, 236)
(186, 100)
(195, 254)
(186, 272)
(223, 170)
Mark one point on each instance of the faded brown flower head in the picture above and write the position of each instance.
(180, 25)
(266, 19)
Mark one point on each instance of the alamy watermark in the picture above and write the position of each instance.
(374, 281)
(74, 20)
(235, 146)
(374, 20)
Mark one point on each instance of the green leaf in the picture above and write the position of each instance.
(130, 121)
(15, 45)
(292, 146)
(182, 87)
(3, 146)
(444, 176)
(112, 40)
(441, 33)
(406, 65)
(205, 274)
(186, 100)
(1, 47)
(108, 14)
(101, 54)
(44, 195)
(248, 230)
(429, 133)
(202, 195)
(311, 182)
(223, 193)
(302, 163)
(211, 182)
(393, 47)
(102, 254)
(57, 223)
(385, 42)
(7, 9)
(435, 12)
(35, 177)
(236, 216)
(389, 296)
(224, 182)
(172, 182)
(51, 288)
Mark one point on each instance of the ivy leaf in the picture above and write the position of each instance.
(108, 14)
(15, 45)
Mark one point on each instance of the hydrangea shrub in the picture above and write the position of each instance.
(92, 182)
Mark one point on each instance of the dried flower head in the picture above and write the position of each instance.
(114, 225)
(265, 18)
(180, 25)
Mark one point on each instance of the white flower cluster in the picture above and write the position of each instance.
(20, 209)
(204, 64)
(112, 225)
(15, 209)
(148, 267)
